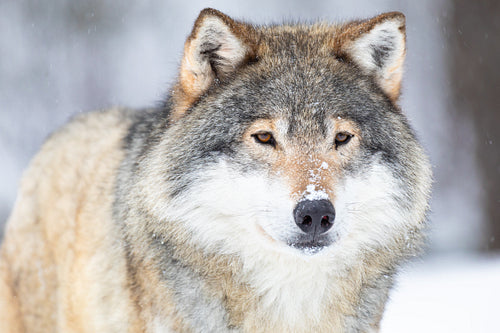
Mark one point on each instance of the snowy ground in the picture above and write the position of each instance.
(446, 294)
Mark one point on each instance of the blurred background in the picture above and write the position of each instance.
(60, 58)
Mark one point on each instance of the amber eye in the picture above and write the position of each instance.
(265, 138)
(342, 138)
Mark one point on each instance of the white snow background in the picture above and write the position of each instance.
(453, 293)
(59, 58)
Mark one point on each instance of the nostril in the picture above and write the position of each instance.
(325, 221)
(307, 220)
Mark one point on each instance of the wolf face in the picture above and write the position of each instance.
(289, 138)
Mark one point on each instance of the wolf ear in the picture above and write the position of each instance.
(377, 46)
(216, 47)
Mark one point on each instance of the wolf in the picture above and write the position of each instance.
(278, 189)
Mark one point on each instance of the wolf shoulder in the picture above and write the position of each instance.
(77, 163)
(64, 206)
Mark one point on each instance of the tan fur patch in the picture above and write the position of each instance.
(304, 167)
(392, 84)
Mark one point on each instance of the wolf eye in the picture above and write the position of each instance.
(342, 138)
(265, 138)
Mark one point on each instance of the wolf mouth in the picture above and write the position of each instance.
(305, 243)
(310, 245)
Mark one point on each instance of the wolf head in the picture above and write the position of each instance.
(289, 138)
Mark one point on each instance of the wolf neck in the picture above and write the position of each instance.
(311, 294)
(278, 293)
(293, 294)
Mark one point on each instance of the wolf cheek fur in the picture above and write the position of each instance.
(278, 190)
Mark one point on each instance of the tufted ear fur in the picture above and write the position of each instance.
(216, 47)
(377, 46)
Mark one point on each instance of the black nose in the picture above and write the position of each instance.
(314, 217)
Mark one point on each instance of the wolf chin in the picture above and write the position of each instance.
(278, 189)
